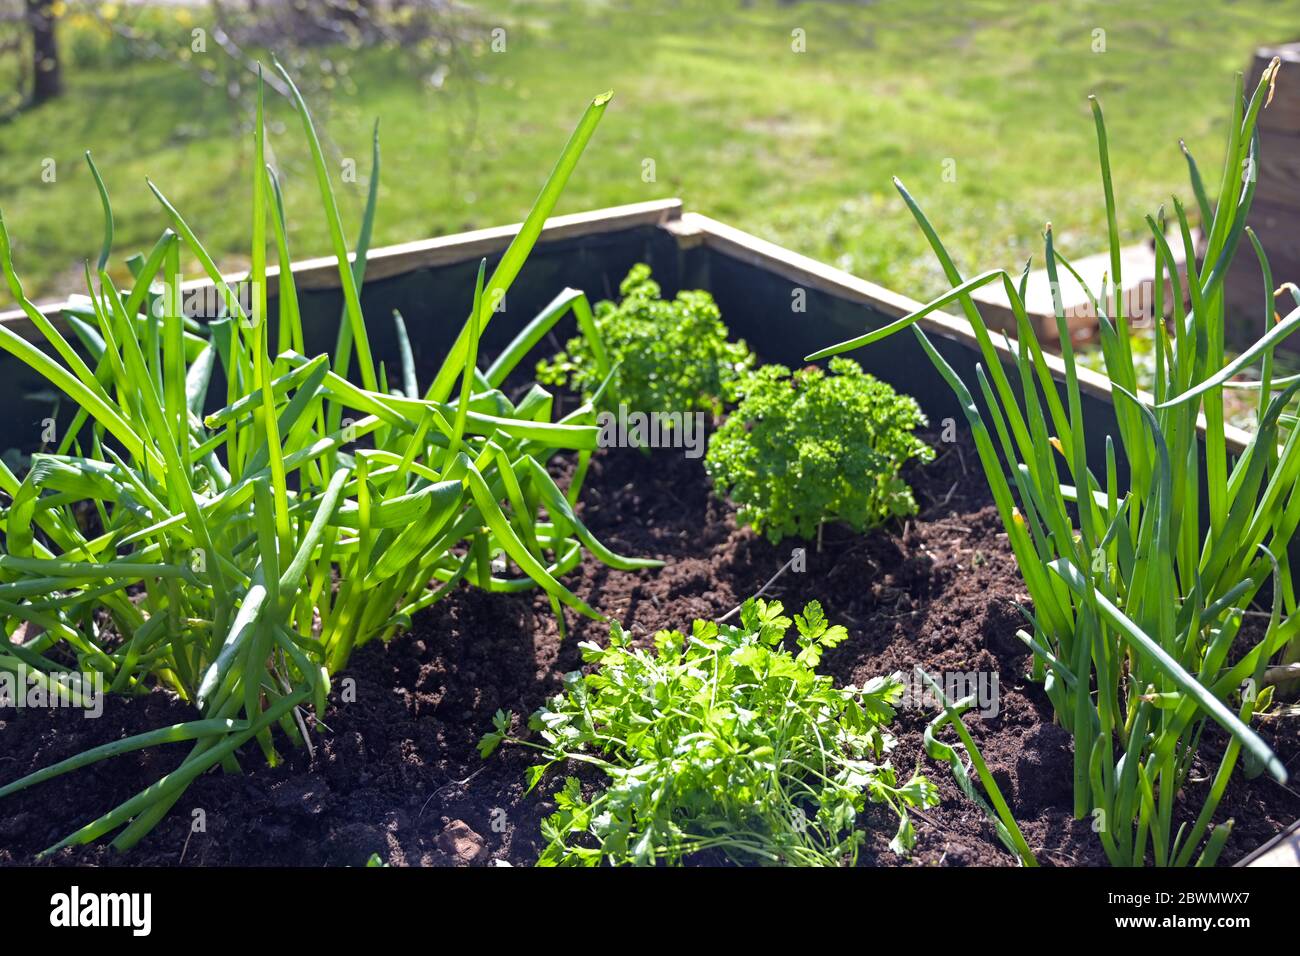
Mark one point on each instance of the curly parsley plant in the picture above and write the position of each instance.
(670, 355)
(804, 449)
(724, 741)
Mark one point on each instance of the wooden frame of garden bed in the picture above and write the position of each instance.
(691, 233)
(689, 229)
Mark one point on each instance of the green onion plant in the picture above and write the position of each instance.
(1139, 628)
(239, 557)
(999, 814)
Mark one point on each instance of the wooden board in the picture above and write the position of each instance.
(688, 229)
(1282, 850)
(1275, 213)
(813, 274)
(1278, 232)
(322, 273)
(1284, 112)
(1138, 270)
(1279, 168)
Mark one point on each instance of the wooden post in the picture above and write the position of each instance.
(1275, 212)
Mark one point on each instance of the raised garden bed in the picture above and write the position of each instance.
(397, 773)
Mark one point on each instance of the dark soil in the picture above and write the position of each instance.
(396, 771)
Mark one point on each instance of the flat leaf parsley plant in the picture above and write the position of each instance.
(723, 741)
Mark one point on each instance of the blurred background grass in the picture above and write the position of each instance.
(798, 147)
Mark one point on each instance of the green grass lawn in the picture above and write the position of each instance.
(797, 147)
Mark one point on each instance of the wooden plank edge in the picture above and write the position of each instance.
(388, 261)
(1281, 850)
(811, 273)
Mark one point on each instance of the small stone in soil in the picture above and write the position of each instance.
(461, 843)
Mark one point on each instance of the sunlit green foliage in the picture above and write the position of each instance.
(668, 355)
(238, 557)
(811, 447)
(1139, 626)
(724, 740)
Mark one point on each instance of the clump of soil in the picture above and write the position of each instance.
(396, 771)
